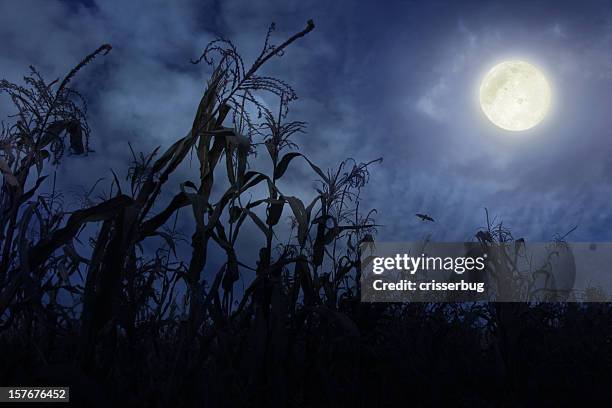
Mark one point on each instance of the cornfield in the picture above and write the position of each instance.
(85, 302)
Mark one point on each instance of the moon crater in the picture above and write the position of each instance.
(515, 95)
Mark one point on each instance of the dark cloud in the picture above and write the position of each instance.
(393, 79)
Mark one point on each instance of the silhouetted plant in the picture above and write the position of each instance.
(98, 297)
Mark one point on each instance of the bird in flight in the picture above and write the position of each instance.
(425, 217)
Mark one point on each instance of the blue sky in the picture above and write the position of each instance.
(396, 80)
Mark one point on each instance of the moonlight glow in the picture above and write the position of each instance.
(515, 95)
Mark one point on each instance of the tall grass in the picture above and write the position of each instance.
(146, 328)
(126, 298)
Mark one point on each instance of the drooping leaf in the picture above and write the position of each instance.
(302, 271)
(76, 137)
(259, 223)
(300, 215)
(281, 167)
(318, 250)
(103, 211)
(72, 128)
(149, 227)
(232, 273)
(275, 210)
(8, 175)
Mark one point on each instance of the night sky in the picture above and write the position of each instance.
(396, 80)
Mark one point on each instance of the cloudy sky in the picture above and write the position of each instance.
(397, 81)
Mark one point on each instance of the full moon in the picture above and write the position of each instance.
(515, 95)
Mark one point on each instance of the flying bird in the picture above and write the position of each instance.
(425, 217)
